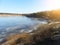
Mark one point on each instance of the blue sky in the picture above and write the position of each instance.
(27, 6)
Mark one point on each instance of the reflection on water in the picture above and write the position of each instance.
(17, 24)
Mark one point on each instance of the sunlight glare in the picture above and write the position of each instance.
(53, 4)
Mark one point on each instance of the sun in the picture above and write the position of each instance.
(53, 4)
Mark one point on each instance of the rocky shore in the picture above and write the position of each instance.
(47, 34)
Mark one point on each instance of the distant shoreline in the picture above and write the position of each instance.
(10, 14)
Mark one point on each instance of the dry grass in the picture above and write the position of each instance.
(35, 37)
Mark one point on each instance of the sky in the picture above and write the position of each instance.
(28, 6)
